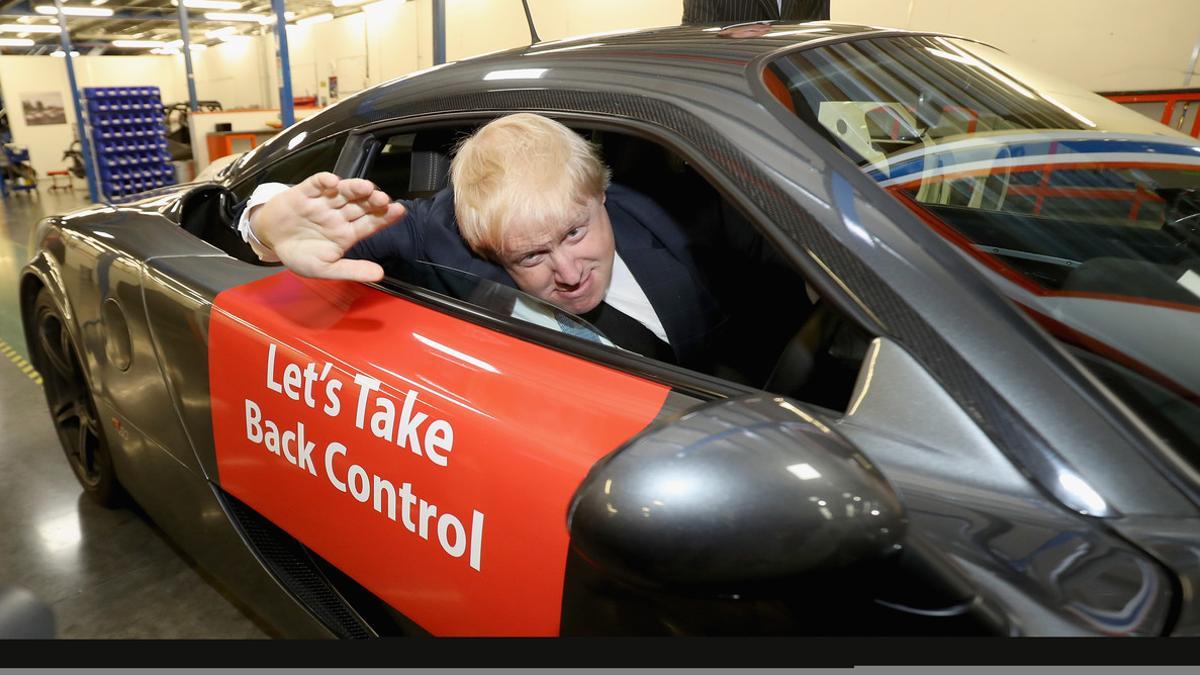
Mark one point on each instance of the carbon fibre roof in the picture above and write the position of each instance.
(590, 62)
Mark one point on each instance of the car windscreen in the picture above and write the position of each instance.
(1085, 213)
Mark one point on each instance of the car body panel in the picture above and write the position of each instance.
(965, 498)
(179, 291)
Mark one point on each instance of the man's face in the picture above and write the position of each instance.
(566, 264)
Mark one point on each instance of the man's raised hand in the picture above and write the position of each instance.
(311, 225)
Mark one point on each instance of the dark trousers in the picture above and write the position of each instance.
(739, 11)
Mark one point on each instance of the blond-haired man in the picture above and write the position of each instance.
(530, 205)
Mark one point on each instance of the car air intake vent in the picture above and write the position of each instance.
(289, 562)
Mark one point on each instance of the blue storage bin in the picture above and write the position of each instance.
(128, 132)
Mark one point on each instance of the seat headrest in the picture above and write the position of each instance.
(430, 168)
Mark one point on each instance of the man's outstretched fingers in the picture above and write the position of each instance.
(356, 189)
(373, 221)
(377, 204)
(318, 184)
(378, 201)
(348, 191)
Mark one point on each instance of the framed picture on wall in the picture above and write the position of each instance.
(43, 108)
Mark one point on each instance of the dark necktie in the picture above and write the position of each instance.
(627, 332)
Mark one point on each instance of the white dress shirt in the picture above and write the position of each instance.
(627, 297)
(261, 195)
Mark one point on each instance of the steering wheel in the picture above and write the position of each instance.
(1183, 221)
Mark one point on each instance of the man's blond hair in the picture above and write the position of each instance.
(521, 168)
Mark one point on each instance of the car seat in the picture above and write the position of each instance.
(430, 162)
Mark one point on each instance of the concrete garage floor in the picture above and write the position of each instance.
(106, 573)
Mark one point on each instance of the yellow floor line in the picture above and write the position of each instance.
(25, 366)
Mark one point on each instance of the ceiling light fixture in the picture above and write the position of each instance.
(16, 42)
(74, 11)
(137, 44)
(28, 28)
(210, 4)
(59, 54)
(238, 16)
(316, 18)
(194, 46)
(221, 32)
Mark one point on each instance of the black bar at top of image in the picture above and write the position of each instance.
(834, 652)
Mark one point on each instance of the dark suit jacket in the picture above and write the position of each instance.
(654, 247)
(739, 11)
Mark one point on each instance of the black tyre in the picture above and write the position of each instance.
(71, 406)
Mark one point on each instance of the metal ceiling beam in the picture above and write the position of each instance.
(117, 16)
(93, 181)
(187, 59)
(439, 32)
(133, 17)
(287, 112)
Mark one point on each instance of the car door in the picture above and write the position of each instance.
(429, 458)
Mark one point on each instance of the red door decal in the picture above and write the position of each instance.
(430, 459)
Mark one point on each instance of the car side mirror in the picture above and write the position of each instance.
(742, 491)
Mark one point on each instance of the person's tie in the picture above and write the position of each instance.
(572, 326)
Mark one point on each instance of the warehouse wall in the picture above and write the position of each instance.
(361, 49)
(395, 38)
(232, 73)
(33, 74)
(1101, 46)
(481, 26)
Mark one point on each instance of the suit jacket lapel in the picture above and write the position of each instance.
(667, 277)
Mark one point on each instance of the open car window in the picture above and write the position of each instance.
(294, 168)
(412, 164)
(776, 342)
(492, 296)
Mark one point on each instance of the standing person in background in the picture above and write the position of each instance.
(739, 11)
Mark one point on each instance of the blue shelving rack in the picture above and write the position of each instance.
(128, 133)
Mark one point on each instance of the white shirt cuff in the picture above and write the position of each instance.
(261, 195)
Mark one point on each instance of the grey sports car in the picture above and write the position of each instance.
(960, 398)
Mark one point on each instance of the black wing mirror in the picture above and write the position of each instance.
(738, 492)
